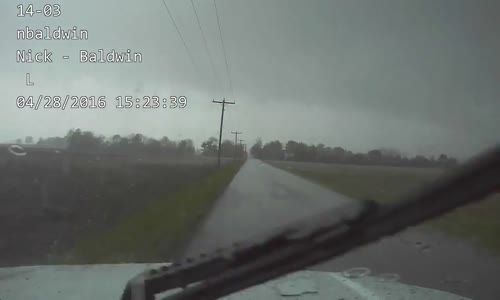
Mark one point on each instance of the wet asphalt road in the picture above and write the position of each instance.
(262, 197)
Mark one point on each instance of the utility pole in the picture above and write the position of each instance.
(235, 141)
(223, 102)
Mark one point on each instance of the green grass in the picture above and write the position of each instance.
(152, 234)
(478, 222)
(381, 186)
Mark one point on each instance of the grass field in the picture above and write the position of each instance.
(154, 233)
(51, 215)
(479, 222)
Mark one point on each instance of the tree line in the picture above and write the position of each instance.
(79, 141)
(302, 152)
(211, 146)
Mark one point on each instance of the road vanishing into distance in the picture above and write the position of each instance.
(262, 197)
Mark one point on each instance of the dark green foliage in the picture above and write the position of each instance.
(302, 152)
(210, 148)
(78, 141)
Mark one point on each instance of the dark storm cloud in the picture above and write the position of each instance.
(421, 76)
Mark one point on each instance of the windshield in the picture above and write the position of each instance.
(150, 131)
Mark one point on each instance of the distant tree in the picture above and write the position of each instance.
(185, 147)
(227, 148)
(114, 144)
(124, 145)
(326, 154)
(388, 152)
(29, 140)
(300, 150)
(443, 158)
(71, 132)
(374, 156)
(340, 154)
(273, 151)
(135, 144)
(139, 144)
(391, 156)
(321, 153)
(420, 161)
(209, 147)
(445, 161)
(312, 153)
(84, 141)
(290, 150)
(375, 153)
(239, 151)
(339, 150)
(19, 141)
(168, 147)
(153, 146)
(74, 138)
(116, 139)
(138, 139)
(358, 158)
(256, 149)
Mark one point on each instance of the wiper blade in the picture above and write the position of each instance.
(317, 239)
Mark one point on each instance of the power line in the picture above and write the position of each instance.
(180, 35)
(224, 51)
(204, 39)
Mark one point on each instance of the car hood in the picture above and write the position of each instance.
(107, 281)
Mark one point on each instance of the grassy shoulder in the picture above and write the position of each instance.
(478, 222)
(151, 234)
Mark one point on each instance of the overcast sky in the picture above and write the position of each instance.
(419, 76)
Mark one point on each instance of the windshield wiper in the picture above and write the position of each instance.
(317, 239)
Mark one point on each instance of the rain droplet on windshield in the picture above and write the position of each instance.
(356, 272)
(16, 150)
